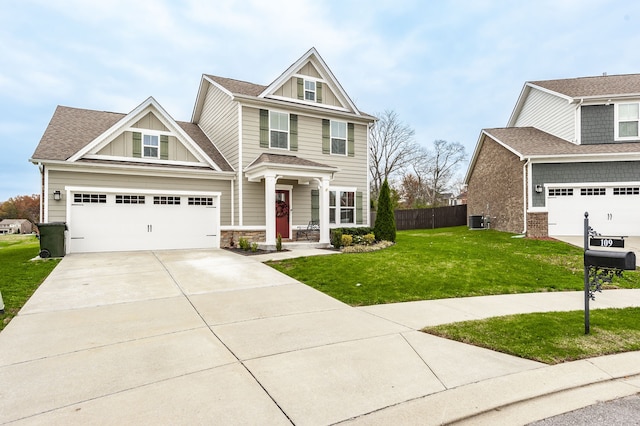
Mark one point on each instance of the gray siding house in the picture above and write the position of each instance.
(571, 146)
(255, 161)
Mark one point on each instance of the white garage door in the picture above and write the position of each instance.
(613, 210)
(123, 221)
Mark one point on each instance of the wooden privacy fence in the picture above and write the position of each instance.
(438, 217)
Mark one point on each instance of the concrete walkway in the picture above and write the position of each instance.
(195, 337)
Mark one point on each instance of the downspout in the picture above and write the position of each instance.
(42, 191)
(525, 193)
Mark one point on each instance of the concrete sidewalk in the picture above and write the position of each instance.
(184, 337)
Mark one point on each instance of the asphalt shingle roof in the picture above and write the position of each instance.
(529, 141)
(238, 86)
(610, 85)
(71, 129)
(286, 160)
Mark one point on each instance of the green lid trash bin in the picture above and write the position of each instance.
(52, 239)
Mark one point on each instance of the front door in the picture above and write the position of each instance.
(282, 213)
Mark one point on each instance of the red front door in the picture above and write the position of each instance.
(282, 213)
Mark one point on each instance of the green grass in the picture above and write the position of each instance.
(552, 337)
(19, 276)
(443, 263)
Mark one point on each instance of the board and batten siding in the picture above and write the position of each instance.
(548, 113)
(59, 179)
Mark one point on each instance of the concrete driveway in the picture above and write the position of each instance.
(195, 337)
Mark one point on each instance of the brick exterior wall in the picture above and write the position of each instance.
(537, 224)
(495, 187)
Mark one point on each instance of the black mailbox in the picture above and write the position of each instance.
(610, 259)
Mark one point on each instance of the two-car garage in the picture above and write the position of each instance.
(104, 219)
(613, 208)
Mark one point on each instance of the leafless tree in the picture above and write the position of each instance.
(392, 149)
(443, 163)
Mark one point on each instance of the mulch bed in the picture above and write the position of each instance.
(249, 252)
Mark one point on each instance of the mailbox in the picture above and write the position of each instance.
(610, 259)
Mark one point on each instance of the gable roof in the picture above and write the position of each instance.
(588, 87)
(323, 69)
(531, 143)
(71, 131)
(244, 89)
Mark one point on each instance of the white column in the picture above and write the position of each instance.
(323, 189)
(270, 209)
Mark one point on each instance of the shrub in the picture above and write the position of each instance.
(336, 238)
(346, 240)
(279, 242)
(368, 239)
(254, 247)
(243, 243)
(385, 227)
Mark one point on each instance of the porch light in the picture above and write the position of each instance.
(538, 189)
(57, 195)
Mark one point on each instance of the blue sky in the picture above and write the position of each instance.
(448, 68)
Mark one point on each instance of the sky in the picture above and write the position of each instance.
(447, 68)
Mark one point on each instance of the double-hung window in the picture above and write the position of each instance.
(310, 90)
(342, 207)
(279, 130)
(338, 137)
(627, 119)
(150, 146)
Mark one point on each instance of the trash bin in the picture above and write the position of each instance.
(52, 239)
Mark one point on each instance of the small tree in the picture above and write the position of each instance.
(385, 227)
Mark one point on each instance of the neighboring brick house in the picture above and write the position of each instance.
(15, 226)
(571, 146)
(254, 161)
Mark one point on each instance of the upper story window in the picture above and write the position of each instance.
(627, 118)
(339, 137)
(278, 130)
(310, 90)
(150, 146)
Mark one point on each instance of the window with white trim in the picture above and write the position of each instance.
(342, 207)
(627, 121)
(560, 192)
(278, 130)
(338, 137)
(90, 198)
(150, 146)
(629, 190)
(167, 200)
(200, 201)
(310, 90)
(130, 199)
(593, 191)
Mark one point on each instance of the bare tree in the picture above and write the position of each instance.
(442, 165)
(392, 149)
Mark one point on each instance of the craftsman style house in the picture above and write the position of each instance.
(254, 162)
(571, 146)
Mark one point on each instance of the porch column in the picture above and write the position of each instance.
(323, 190)
(270, 209)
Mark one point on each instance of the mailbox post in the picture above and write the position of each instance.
(601, 265)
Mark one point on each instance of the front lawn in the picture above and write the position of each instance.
(19, 276)
(447, 262)
(551, 337)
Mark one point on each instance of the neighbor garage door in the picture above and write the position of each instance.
(128, 220)
(613, 210)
